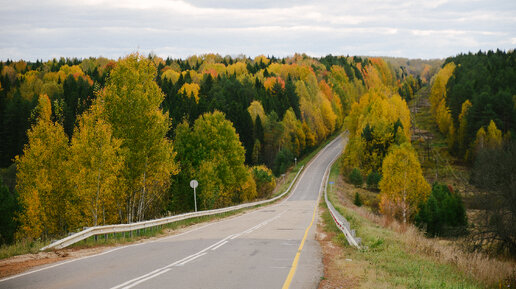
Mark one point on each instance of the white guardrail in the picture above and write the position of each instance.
(340, 221)
(120, 228)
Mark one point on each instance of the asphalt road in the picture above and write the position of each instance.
(257, 249)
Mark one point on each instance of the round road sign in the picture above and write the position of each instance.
(194, 184)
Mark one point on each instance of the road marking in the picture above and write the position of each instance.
(107, 252)
(138, 280)
(292, 271)
(290, 276)
(145, 279)
(193, 258)
(220, 245)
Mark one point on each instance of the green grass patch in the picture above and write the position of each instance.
(386, 261)
(20, 247)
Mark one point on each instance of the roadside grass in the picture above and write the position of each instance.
(20, 247)
(398, 256)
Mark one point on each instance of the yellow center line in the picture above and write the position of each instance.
(290, 276)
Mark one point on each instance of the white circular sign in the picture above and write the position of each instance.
(194, 184)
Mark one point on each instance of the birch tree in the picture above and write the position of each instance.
(403, 186)
(95, 162)
(132, 106)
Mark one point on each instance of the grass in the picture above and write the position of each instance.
(397, 256)
(20, 248)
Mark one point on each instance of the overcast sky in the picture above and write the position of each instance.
(44, 29)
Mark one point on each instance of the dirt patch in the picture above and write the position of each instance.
(18, 264)
(334, 260)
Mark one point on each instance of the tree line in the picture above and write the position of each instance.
(98, 141)
(380, 150)
(473, 101)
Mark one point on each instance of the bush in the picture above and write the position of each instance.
(357, 201)
(356, 177)
(8, 208)
(264, 179)
(494, 172)
(283, 160)
(443, 212)
(373, 179)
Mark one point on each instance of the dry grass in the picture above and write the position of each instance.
(447, 256)
(479, 266)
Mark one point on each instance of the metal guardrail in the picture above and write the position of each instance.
(120, 228)
(340, 221)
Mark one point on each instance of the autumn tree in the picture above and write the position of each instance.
(211, 153)
(42, 177)
(132, 106)
(403, 186)
(264, 179)
(463, 126)
(375, 123)
(96, 161)
(494, 136)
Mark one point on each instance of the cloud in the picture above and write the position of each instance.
(420, 28)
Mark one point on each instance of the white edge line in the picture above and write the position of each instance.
(181, 262)
(220, 245)
(191, 259)
(150, 277)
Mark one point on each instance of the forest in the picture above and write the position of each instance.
(96, 141)
(473, 101)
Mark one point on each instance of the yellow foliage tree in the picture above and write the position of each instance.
(190, 90)
(42, 178)
(171, 75)
(438, 90)
(96, 161)
(256, 109)
(264, 179)
(132, 102)
(463, 125)
(494, 136)
(374, 123)
(403, 186)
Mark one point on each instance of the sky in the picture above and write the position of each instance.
(46, 29)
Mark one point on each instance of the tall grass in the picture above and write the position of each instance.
(404, 254)
(20, 247)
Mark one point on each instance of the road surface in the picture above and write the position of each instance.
(265, 248)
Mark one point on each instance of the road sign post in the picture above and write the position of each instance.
(194, 185)
(331, 186)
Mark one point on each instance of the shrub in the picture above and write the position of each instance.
(357, 201)
(443, 212)
(373, 179)
(265, 182)
(283, 160)
(8, 208)
(356, 177)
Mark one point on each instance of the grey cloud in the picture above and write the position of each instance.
(42, 30)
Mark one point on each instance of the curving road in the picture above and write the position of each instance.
(266, 248)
